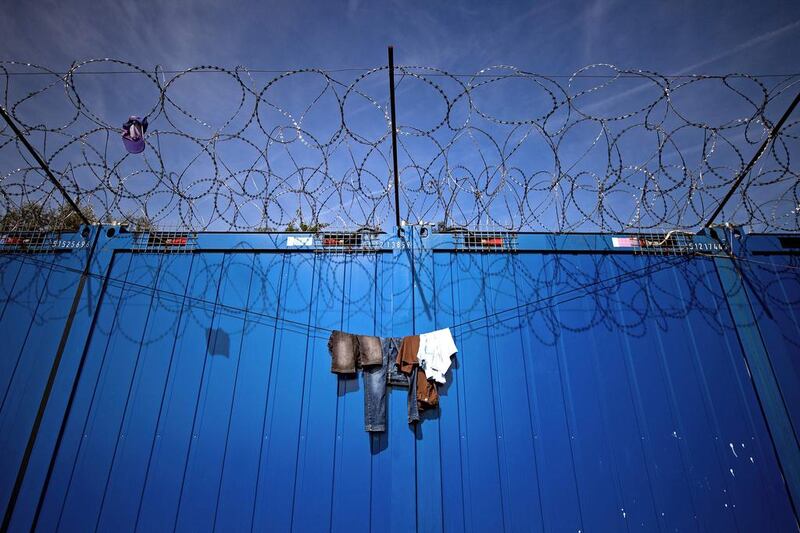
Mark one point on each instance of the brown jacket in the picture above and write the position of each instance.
(427, 393)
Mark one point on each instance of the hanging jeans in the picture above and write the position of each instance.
(375, 396)
(376, 378)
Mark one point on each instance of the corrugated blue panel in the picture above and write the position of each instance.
(774, 290)
(172, 465)
(591, 391)
(394, 479)
(143, 389)
(38, 291)
(254, 380)
(312, 488)
(84, 460)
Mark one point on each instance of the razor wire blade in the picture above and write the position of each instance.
(605, 149)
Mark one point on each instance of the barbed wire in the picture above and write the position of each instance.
(604, 149)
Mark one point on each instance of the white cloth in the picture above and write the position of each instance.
(435, 350)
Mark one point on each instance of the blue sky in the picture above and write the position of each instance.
(548, 37)
(552, 38)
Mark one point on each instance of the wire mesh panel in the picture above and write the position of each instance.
(164, 242)
(39, 242)
(347, 242)
(485, 241)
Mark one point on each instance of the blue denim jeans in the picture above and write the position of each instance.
(375, 380)
(391, 345)
(375, 396)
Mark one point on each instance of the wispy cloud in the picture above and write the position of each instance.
(764, 38)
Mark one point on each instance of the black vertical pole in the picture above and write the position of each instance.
(394, 140)
(43, 165)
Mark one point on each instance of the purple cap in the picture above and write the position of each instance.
(133, 134)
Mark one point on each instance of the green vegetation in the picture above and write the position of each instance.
(303, 227)
(34, 217)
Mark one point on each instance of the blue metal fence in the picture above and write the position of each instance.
(595, 388)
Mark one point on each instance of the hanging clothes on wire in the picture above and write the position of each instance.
(418, 362)
(435, 351)
(422, 393)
